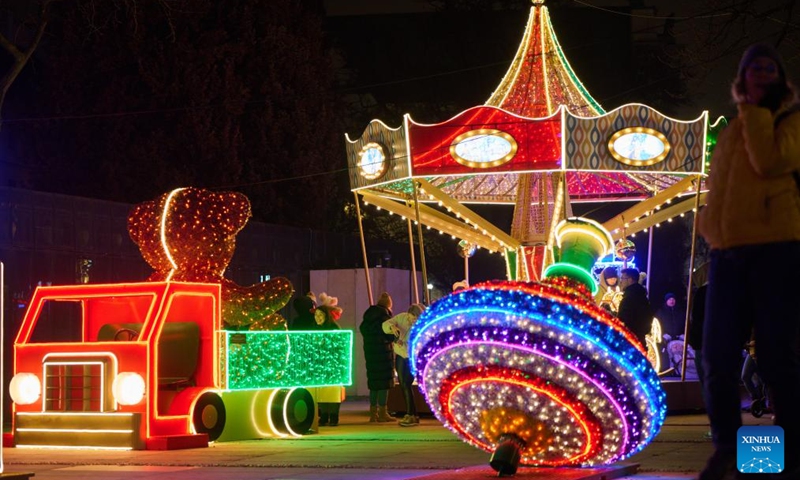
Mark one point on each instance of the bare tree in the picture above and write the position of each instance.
(715, 33)
(27, 23)
(26, 38)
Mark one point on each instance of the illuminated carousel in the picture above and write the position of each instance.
(539, 143)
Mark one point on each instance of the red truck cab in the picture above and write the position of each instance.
(104, 364)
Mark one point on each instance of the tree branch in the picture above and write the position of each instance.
(21, 58)
(11, 48)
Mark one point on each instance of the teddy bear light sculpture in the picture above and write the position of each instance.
(189, 235)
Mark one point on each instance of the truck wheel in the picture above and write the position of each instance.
(292, 411)
(208, 415)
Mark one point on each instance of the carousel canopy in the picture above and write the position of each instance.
(539, 142)
(540, 118)
(478, 156)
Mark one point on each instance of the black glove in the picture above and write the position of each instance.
(773, 97)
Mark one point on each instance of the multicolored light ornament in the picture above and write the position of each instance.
(540, 363)
(189, 235)
(625, 249)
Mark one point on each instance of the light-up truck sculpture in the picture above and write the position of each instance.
(148, 365)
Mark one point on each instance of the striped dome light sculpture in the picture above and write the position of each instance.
(536, 373)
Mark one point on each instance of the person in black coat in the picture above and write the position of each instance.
(634, 309)
(696, 322)
(672, 317)
(378, 357)
(304, 306)
(696, 328)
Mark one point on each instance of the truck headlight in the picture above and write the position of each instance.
(128, 388)
(25, 388)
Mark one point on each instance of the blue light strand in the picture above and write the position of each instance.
(542, 311)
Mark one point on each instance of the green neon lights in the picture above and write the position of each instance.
(571, 271)
(711, 139)
(272, 359)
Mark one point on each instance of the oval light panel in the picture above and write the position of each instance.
(639, 146)
(372, 161)
(483, 148)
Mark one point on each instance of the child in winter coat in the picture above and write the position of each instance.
(328, 398)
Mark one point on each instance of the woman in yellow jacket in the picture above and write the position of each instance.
(752, 223)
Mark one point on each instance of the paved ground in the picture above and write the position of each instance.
(355, 450)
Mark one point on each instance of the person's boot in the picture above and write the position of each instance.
(409, 421)
(334, 414)
(373, 413)
(408, 396)
(324, 415)
(383, 415)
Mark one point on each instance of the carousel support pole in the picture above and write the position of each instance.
(546, 178)
(413, 262)
(2, 353)
(421, 247)
(363, 249)
(649, 258)
(466, 269)
(624, 261)
(689, 298)
(560, 212)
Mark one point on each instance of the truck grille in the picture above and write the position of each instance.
(76, 386)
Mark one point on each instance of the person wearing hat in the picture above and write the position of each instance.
(400, 326)
(378, 357)
(635, 310)
(671, 316)
(752, 215)
(305, 307)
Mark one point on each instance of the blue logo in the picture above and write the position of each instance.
(760, 449)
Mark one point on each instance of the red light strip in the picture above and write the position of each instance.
(488, 374)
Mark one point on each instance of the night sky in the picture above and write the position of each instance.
(256, 96)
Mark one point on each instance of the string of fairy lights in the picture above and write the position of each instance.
(275, 359)
(479, 228)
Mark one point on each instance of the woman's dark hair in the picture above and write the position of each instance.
(610, 272)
